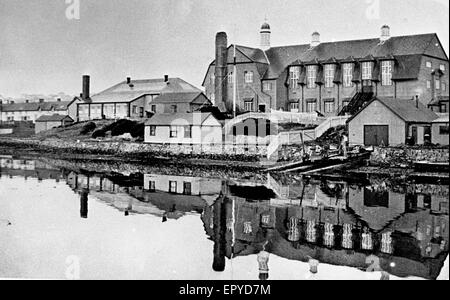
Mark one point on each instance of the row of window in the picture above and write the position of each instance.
(12, 119)
(347, 69)
(248, 77)
(173, 187)
(175, 131)
(438, 85)
(311, 106)
(430, 65)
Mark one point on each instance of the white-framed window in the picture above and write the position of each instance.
(367, 70)
(294, 75)
(428, 84)
(438, 84)
(152, 186)
(312, 74)
(329, 107)
(429, 64)
(267, 86)
(248, 105)
(348, 74)
(213, 79)
(329, 75)
(442, 67)
(230, 78)
(386, 72)
(173, 131)
(248, 77)
(188, 132)
(311, 106)
(152, 130)
(444, 87)
(294, 106)
(173, 187)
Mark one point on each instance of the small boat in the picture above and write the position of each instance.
(311, 166)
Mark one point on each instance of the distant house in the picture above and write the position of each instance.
(440, 130)
(389, 122)
(31, 111)
(129, 99)
(183, 128)
(179, 102)
(48, 122)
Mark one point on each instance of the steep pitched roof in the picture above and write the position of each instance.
(405, 109)
(179, 119)
(54, 118)
(408, 49)
(124, 92)
(179, 98)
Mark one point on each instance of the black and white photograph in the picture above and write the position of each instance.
(205, 142)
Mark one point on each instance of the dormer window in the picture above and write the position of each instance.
(386, 72)
(367, 70)
(312, 74)
(294, 76)
(348, 74)
(329, 75)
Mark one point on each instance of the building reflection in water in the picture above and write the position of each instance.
(398, 230)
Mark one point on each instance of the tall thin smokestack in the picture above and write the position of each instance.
(86, 87)
(221, 70)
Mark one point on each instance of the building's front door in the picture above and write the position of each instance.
(262, 108)
(376, 135)
(414, 134)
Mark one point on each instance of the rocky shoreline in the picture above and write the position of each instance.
(117, 152)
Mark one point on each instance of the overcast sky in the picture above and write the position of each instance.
(43, 51)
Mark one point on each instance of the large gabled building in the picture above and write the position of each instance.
(133, 98)
(329, 77)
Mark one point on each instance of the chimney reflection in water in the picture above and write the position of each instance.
(84, 203)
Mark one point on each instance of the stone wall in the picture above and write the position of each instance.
(250, 153)
(405, 156)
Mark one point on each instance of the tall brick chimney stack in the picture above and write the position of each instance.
(221, 71)
(86, 88)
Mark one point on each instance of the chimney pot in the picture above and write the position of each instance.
(166, 78)
(128, 80)
(315, 40)
(385, 33)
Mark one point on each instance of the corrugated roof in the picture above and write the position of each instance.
(179, 119)
(406, 109)
(53, 118)
(124, 92)
(178, 98)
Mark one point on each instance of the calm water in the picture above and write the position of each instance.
(71, 223)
